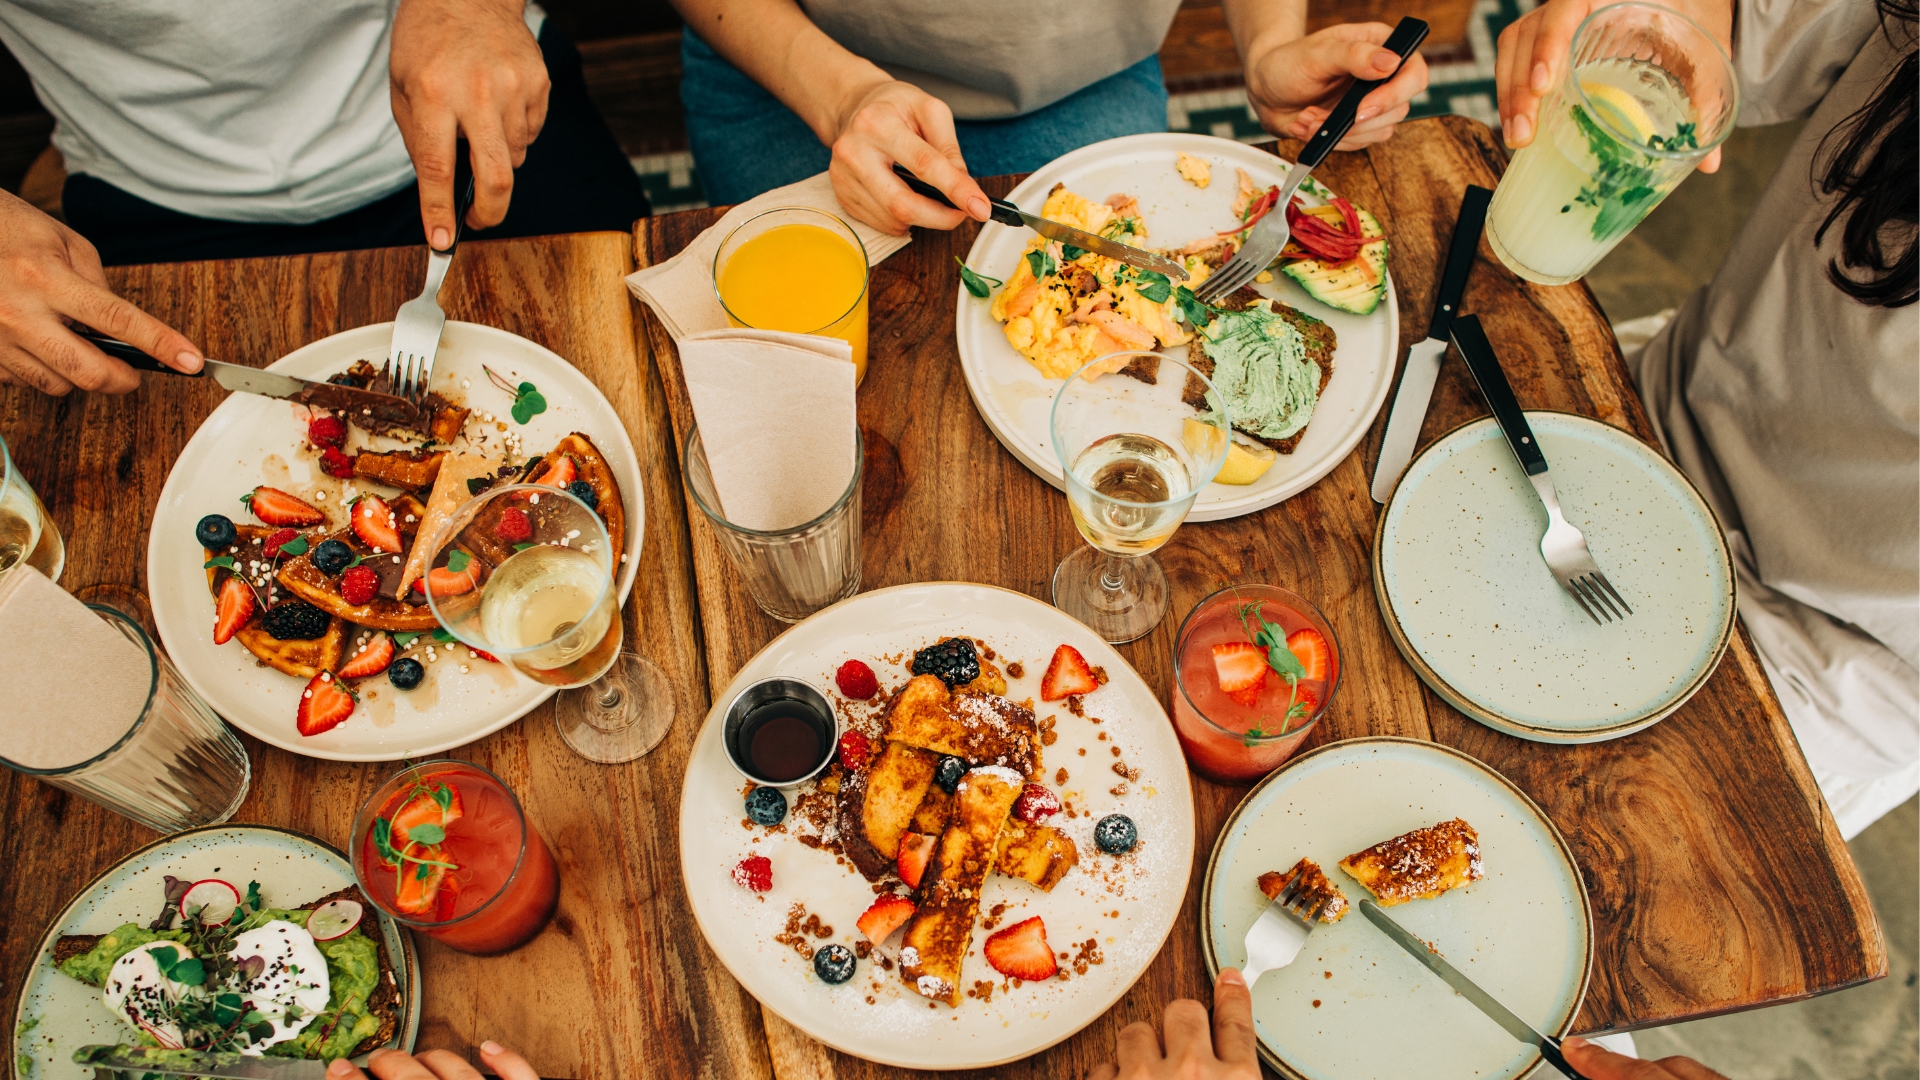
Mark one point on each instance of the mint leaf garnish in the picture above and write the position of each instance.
(222, 560)
(1040, 261)
(977, 283)
(458, 562)
(1155, 286)
(427, 833)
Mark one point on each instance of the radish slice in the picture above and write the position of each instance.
(215, 900)
(334, 919)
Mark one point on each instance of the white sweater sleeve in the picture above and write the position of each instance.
(1789, 53)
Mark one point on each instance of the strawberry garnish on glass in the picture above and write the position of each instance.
(412, 842)
(1302, 656)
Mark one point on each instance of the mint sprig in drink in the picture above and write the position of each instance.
(1647, 95)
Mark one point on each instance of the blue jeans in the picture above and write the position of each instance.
(745, 142)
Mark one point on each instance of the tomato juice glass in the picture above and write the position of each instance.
(1229, 740)
(445, 848)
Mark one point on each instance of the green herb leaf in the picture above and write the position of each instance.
(427, 833)
(1621, 190)
(383, 840)
(1192, 309)
(524, 545)
(1155, 286)
(1040, 261)
(253, 902)
(189, 972)
(222, 560)
(165, 957)
(478, 484)
(294, 547)
(443, 795)
(247, 500)
(458, 562)
(1068, 252)
(404, 638)
(422, 872)
(527, 403)
(977, 283)
(442, 635)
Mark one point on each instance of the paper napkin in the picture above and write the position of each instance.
(776, 417)
(680, 290)
(73, 683)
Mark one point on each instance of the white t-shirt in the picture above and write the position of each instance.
(238, 110)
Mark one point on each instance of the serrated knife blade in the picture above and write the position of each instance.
(107, 1060)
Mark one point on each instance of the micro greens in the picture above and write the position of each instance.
(1154, 285)
(527, 400)
(458, 561)
(976, 282)
(220, 560)
(1068, 252)
(1040, 261)
(1622, 189)
(294, 547)
(1197, 313)
(1273, 637)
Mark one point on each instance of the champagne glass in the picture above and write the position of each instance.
(27, 533)
(1136, 454)
(526, 572)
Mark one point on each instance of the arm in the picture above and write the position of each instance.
(1294, 78)
(870, 119)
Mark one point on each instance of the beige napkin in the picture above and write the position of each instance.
(776, 417)
(680, 290)
(73, 683)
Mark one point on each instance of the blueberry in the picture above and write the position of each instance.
(833, 963)
(948, 773)
(1116, 834)
(766, 806)
(583, 491)
(406, 673)
(215, 531)
(954, 660)
(331, 557)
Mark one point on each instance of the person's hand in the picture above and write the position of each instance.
(889, 121)
(1294, 85)
(1194, 1047)
(1596, 1062)
(50, 274)
(466, 68)
(1535, 50)
(436, 1065)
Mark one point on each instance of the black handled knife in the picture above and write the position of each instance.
(249, 380)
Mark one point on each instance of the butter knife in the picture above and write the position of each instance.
(1423, 358)
(1006, 213)
(249, 380)
(1548, 1046)
(106, 1060)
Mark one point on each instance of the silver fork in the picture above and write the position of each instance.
(1281, 931)
(417, 325)
(1272, 231)
(1563, 547)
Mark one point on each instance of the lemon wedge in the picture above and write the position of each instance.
(1626, 110)
(1244, 464)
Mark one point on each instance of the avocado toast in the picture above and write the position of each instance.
(1278, 361)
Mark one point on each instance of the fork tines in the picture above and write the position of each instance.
(1596, 596)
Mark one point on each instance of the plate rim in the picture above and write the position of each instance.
(1208, 952)
(1228, 509)
(1523, 729)
(718, 708)
(412, 1003)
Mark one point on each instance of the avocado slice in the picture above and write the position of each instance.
(1345, 285)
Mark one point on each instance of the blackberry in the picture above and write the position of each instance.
(1116, 834)
(331, 557)
(766, 806)
(406, 673)
(583, 491)
(833, 963)
(296, 620)
(953, 660)
(948, 773)
(215, 531)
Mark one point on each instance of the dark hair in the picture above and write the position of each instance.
(1873, 166)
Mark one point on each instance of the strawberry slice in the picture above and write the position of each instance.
(324, 705)
(370, 661)
(1240, 667)
(1021, 951)
(374, 523)
(558, 473)
(1067, 675)
(425, 809)
(418, 890)
(232, 609)
(276, 507)
(1308, 701)
(916, 850)
(885, 916)
(1313, 653)
(444, 582)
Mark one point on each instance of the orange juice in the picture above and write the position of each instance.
(802, 278)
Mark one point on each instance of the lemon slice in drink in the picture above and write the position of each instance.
(1622, 108)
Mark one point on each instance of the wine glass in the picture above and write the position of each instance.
(1136, 454)
(526, 573)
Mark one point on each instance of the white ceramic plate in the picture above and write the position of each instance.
(1015, 399)
(1471, 604)
(1352, 1005)
(58, 1015)
(250, 440)
(1126, 905)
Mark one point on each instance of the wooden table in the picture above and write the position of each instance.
(1699, 838)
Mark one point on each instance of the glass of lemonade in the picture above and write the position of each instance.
(1136, 455)
(1647, 95)
(1238, 716)
(796, 269)
(527, 573)
(27, 534)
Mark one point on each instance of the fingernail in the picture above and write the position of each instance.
(339, 1067)
(979, 208)
(1232, 977)
(188, 360)
(1366, 114)
(491, 1048)
(1538, 78)
(441, 238)
(1384, 60)
(1572, 1042)
(1522, 130)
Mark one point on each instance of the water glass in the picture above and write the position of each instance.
(27, 534)
(795, 572)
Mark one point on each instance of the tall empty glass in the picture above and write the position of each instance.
(1646, 96)
(1136, 455)
(27, 534)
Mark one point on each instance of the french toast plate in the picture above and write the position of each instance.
(57, 1015)
(249, 440)
(1352, 1005)
(1106, 919)
(1015, 400)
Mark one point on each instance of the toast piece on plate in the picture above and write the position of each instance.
(1038, 854)
(1315, 889)
(878, 803)
(1317, 338)
(978, 727)
(1418, 865)
(941, 929)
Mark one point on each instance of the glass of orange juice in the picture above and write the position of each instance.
(796, 269)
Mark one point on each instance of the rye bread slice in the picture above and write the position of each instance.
(1319, 340)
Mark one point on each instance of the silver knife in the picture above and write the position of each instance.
(1548, 1046)
(1006, 213)
(106, 1060)
(250, 380)
(1423, 358)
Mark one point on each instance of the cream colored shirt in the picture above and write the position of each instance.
(1797, 410)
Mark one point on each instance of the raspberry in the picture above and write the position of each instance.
(336, 464)
(327, 431)
(754, 872)
(359, 585)
(514, 525)
(855, 751)
(1035, 804)
(856, 680)
(280, 536)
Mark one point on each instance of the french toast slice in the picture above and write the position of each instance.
(1418, 865)
(1315, 890)
(301, 658)
(1038, 854)
(941, 929)
(934, 811)
(978, 727)
(894, 788)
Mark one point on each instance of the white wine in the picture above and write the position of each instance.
(552, 601)
(26, 534)
(1128, 497)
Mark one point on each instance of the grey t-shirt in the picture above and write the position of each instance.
(991, 59)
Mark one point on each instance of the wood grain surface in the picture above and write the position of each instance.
(1718, 879)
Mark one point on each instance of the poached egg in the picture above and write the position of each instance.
(294, 979)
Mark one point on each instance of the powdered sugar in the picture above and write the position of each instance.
(998, 772)
(933, 986)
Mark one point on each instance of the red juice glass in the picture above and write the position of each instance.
(445, 848)
(1237, 739)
